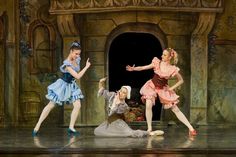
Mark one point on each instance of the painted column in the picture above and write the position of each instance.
(199, 68)
(2, 66)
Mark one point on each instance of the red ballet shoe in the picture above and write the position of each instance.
(192, 133)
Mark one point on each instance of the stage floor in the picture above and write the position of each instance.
(212, 140)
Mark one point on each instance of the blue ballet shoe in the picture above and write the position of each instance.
(71, 132)
(34, 133)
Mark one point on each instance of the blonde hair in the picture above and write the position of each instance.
(174, 55)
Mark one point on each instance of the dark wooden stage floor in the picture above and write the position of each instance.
(212, 140)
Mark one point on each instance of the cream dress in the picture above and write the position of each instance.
(115, 126)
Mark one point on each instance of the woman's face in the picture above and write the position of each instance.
(165, 56)
(75, 54)
(123, 93)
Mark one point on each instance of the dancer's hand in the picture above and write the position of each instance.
(103, 79)
(129, 68)
(88, 63)
(101, 84)
(170, 89)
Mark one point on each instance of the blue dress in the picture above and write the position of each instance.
(65, 90)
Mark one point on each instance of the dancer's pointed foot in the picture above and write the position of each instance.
(34, 133)
(149, 130)
(71, 131)
(156, 133)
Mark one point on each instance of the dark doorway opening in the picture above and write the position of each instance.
(129, 49)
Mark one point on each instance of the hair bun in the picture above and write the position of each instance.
(75, 44)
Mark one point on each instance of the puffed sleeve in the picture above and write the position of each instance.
(155, 61)
(64, 65)
(78, 61)
(175, 71)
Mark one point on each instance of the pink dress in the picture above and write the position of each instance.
(149, 91)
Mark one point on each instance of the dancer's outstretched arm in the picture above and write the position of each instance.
(101, 83)
(102, 91)
(139, 68)
(81, 73)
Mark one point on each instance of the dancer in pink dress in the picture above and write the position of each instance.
(158, 86)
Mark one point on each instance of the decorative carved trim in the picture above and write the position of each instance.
(88, 6)
(66, 25)
(205, 24)
(224, 42)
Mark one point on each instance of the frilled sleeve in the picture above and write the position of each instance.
(64, 65)
(155, 62)
(175, 71)
(78, 62)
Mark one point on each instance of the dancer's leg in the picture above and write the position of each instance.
(149, 114)
(181, 117)
(44, 115)
(74, 114)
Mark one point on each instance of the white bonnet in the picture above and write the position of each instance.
(129, 91)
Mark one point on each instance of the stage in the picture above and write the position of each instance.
(212, 140)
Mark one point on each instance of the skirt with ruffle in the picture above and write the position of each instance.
(62, 92)
(118, 128)
(167, 97)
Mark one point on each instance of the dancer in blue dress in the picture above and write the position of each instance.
(65, 89)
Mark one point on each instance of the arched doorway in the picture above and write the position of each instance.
(133, 48)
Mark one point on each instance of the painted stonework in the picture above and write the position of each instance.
(40, 58)
(86, 6)
(96, 39)
(222, 68)
(203, 32)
